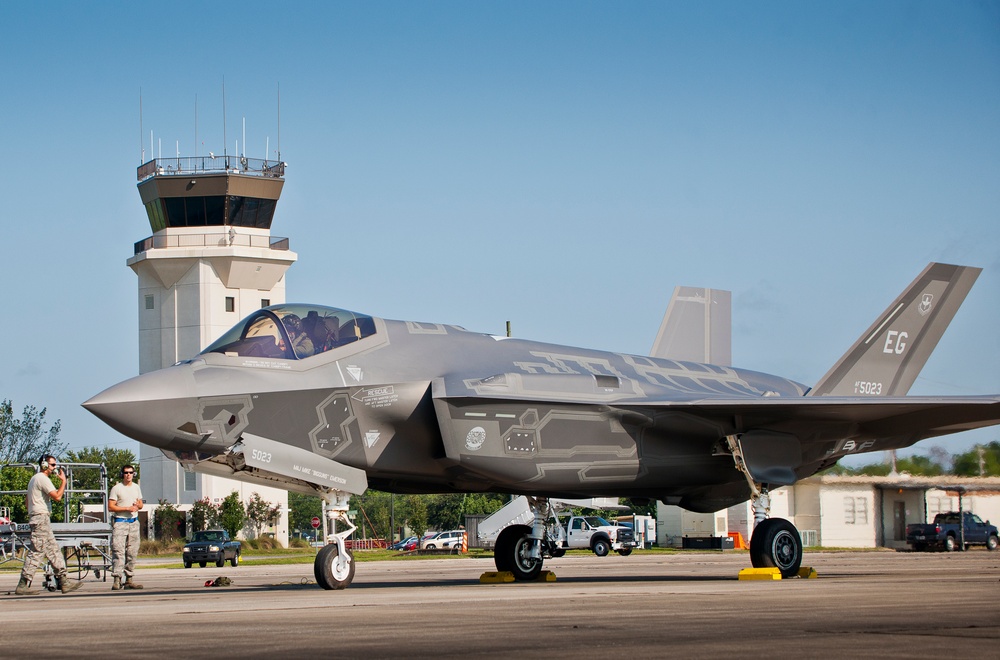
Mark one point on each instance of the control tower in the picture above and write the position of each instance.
(210, 262)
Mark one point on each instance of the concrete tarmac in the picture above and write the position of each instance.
(864, 604)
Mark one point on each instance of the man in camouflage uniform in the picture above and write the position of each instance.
(124, 503)
(43, 542)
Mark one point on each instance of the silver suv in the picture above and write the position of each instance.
(448, 539)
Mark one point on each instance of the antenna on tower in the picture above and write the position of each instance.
(279, 122)
(142, 152)
(196, 125)
(225, 144)
(244, 137)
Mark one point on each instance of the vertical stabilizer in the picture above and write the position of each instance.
(887, 358)
(697, 327)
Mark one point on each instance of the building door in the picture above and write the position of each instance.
(899, 521)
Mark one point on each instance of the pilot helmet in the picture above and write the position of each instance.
(292, 323)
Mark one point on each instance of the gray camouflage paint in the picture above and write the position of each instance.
(423, 407)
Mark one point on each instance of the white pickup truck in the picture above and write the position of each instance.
(570, 532)
(564, 530)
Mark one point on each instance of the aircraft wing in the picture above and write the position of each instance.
(787, 437)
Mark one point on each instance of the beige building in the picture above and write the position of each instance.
(845, 512)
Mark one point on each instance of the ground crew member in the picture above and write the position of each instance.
(124, 503)
(43, 542)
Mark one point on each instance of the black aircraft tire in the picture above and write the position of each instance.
(510, 554)
(325, 568)
(776, 544)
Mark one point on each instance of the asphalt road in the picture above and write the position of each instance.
(864, 604)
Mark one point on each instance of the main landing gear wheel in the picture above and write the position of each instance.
(331, 571)
(512, 553)
(776, 544)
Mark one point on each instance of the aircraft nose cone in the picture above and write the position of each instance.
(149, 408)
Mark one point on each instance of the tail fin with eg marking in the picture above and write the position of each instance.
(886, 359)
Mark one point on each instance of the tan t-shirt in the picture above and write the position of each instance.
(38, 493)
(125, 496)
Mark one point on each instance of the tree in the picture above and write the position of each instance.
(260, 513)
(232, 515)
(25, 439)
(412, 512)
(919, 466)
(15, 479)
(113, 459)
(482, 504)
(204, 515)
(981, 460)
(301, 510)
(373, 513)
(167, 521)
(641, 507)
(445, 511)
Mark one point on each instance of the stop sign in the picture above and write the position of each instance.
(315, 522)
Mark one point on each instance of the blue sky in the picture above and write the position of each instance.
(561, 165)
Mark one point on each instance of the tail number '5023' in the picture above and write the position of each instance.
(865, 387)
(262, 456)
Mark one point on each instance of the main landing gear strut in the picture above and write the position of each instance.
(334, 566)
(775, 542)
(521, 549)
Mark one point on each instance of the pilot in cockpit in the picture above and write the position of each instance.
(301, 343)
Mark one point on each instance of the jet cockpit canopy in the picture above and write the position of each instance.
(293, 332)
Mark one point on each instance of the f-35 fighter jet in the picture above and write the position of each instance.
(326, 401)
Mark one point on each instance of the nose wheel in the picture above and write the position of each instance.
(334, 565)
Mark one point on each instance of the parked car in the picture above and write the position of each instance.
(409, 543)
(212, 545)
(448, 539)
(946, 532)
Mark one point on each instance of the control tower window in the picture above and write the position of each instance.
(251, 212)
(293, 332)
(195, 211)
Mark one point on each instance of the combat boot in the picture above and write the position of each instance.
(129, 584)
(117, 586)
(66, 585)
(24, 588)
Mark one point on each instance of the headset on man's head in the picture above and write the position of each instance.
(43, 462)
